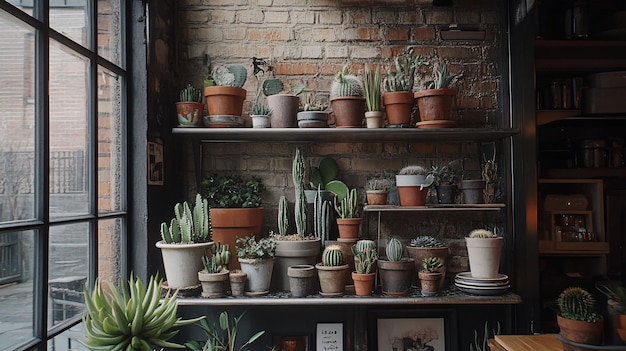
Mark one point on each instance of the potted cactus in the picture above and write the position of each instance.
(184, 241)
(577, 319)
(257, 260)
(374, 116)
(346, 100)
(435, 102)
(284, 105)
(332, 271)
(445, 180)
(484, 249)
(189, 109)
(260, 116)
(412, 183)
(364, 275)
(377, 189)
(396, 271)
(313, 114)
(214, 276)
(348, 222)
(424, 246)
(430, 276)
(226, 97)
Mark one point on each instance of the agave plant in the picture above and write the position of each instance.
(131, 318)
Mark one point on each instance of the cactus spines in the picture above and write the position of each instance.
(321, 217)
(219, 260)
(188, 226)
(394, 250)
(283, 216)
(578, 304)
(346, 84)
(482, 233)
(362, 245)
(349, 206)
(190, 94)
(366, 261)
(332, 256)
(298, 182)
(426, 241)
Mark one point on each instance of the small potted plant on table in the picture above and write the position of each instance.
(313, 114)
(225, 98)
(484, 249)
(349, 222)
(435, 103)
(214, 276)
(430, 276)
(412, 183)
(346, 100)
(257, 260)
(189, 109)
(577, 319)
(260, 116)
(445, 179)
(377, 189)
(424, 246)
(374, 116)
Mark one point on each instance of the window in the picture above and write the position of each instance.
(63, 164)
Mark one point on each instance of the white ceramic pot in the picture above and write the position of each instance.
(484, 256)
(260, 121)
(182, 262)
(422, 181)
(259, 273)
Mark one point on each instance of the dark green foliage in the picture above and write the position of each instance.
(233, 191)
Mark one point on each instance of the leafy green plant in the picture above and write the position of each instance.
(577, 304)
(233, 191)
(248, 247)
(349, 206)
(188, 226)
(132, 317)
(446, 175)
(431, 264)
(403, 77)
(372, 86)
(222, 337)
(190, 94)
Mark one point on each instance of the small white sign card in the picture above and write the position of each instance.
(329, 337)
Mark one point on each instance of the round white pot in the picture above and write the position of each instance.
(182, 262)
(422, 181)
(484, 256)
(260, 121)
(259, 273)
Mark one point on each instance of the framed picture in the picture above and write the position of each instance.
(155, 163)
(290, 343)
(412, 330)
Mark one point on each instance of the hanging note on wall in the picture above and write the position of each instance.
(329, 337)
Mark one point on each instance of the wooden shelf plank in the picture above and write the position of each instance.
(434, 207)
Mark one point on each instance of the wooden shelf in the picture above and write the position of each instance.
(434, 207)
(583, 172)
(579, 55)
(344, 135)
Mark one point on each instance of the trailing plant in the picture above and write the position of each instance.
(379, 183)
(260, 109)
(431, 264)
(371, 85)
(283, 216)
(248, 247)
(426, 241)
(482, 233)
(365, 262)
(230, 75)
(233, 191)
(349, 206)
(188, 226)
(577, 304)
(133, 317)
(190, 94)
(403, 77)
(219, 260)
(394, 250)
(346, 84)
(222, 337)
(300, 208)
(480, 343)
(332, 256)
(321, 217)
(442, 79)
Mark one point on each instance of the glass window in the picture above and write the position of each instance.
(110, 41)
(71, 18)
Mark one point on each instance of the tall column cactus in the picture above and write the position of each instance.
(321, 217)
(283, 216)
(298, 182)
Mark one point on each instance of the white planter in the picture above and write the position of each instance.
(182, 262)
(259, 273)
(260, 121)
(484, 256)
(422, 181)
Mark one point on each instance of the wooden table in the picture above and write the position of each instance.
(543, 342)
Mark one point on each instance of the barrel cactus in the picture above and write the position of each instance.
(426, 241)
(577, 304)
(394, 250)
(482, 233)
(332, 256)
(363, 245)
(346, 84)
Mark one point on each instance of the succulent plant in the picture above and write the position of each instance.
(577, 304)
(346, 84)
(230, 75)
(332, 256)
(260, 109)
(426, 241)
(403, 78)
(190, 94)
(365, 261)
(431, 264)
(297, 171)
(349, 206)
(482, 233)
(223, 337)
(311, 103)
(442, 79)
(394, 250)
(372, 87)
(131, 318)
(219, 260)
(283, 216)
(188, 226)
(379, 183)
(321, 217)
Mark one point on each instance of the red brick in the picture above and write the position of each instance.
(397, 34)
(424, 34)
(368, 33)
(290, 69)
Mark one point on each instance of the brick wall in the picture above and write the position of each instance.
(309, 41)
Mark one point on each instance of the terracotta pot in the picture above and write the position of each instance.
(412, 195)
(292, 253)
(396, 277)
(484, 256)
(349, 228)
(182, 262)
(473, 191)
(332, 279)
(374, 119)
(301, 278)
(189, 113)
(284, 110)
(418, 254)
(376, 197)
(348, 110)
(222, 100)
(430, 283)
(213, 284)
(435, 104)
(237, 282)
(348, 257)
(589, 333)
(363, 283)
(399, 107)
(229, 223)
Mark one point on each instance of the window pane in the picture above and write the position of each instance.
(110, 165)
(68, 269)
(110, 249)
(69, 340)
(68, 132)
(109, 30)
(70, 18)
(16, 292)
(17, 120)
(24, 5)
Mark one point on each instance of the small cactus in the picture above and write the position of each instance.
(321, 217)
(394, 250)
(431, 264)
(413, 170)
(365, 262)
(190, 94)
(426, 241)
(577, 304)
(362, 245)
(283, 216)
(219, 260)
(188, 226)
(261, 110)
(349, 206)
(482, 233)
(346, 84)
(332, 256)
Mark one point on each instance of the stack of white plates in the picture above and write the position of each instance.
(482, 286)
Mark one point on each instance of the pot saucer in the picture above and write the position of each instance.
(257, 293)
(331, 294)
(436, 124)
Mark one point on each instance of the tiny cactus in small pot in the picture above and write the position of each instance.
(260, 116)
(347, 101)
(430, 276)
(215, 275)
(365, 263)
(332, 271)
(349, 222)
(377, 189)
(484, 250)
(431, 265)
(425, 246)
(189, 109)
